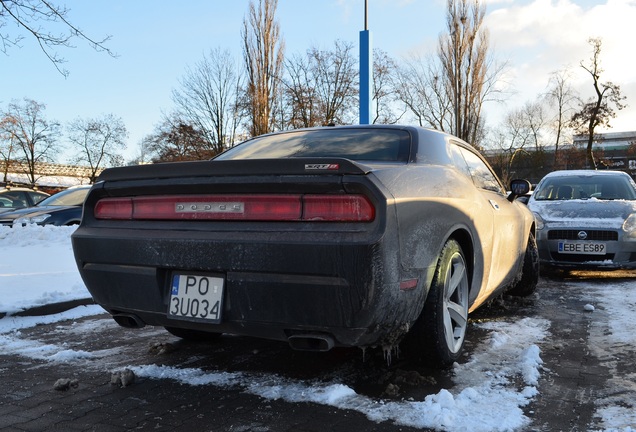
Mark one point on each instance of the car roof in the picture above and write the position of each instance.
(585, 173)
(428, 144)
(20, 188)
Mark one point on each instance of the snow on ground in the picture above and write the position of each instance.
(37, 267)
(611, 339)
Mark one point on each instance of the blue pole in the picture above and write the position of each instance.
(366, 72)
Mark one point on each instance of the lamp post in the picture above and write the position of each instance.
(366, 71)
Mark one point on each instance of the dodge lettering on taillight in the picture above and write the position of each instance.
(209, 207)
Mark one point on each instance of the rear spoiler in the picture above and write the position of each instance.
(290, 166)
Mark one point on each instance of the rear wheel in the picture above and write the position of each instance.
(530, 271)
(438, 335)
(193, 335)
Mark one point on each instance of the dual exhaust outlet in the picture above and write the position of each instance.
(302, 342)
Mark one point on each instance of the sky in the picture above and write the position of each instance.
(157, 40)
(490, 390)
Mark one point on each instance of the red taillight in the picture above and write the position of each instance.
(354, 208)
(258, 207)
(334, 208)
(114, 208)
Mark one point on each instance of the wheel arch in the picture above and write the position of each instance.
(465, 240)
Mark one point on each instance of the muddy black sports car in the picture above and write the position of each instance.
(338, 236)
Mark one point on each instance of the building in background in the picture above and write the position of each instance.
(50, 177)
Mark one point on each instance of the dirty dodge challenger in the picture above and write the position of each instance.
(337, 236)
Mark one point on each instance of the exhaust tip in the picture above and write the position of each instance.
(129, 321)
(311, 342)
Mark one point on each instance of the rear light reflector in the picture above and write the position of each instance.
(332, 208)
(409, 284)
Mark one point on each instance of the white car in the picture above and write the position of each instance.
(13, 198)
(586, 219)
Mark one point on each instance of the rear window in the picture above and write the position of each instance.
(585, 187)
(69, 197)
(382, 145)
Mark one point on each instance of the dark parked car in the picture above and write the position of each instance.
(337, 236)
(13, 198)
(586, 219)
(62, 208)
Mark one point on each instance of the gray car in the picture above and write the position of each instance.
(339, 236)
(586, 219)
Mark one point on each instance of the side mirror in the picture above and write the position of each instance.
(518, 187)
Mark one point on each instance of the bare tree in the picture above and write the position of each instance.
(448, 91)
(508, 142)
(421, 87)
(263, 51)
(468, 72)
(320, 87)
(300, 93)
(145, 153)
(598, 110)
(174, 140)
(208, 99)
(335, 76)
(561, 97)
(35, 138)
(98, 142)
(384, 90)
(521, 128)
(7, 146)
(533, 115)
(31, 16)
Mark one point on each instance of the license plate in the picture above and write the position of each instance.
(196, 297)
(585, 248)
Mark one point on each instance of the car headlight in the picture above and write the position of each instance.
(539, 220)
(25, 220)
(629, 226)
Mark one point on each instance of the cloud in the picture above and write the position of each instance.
(541, 36)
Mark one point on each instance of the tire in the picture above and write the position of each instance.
(437, 337)
(527, 284)
(193, 335)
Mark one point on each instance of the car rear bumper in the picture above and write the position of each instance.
(345, 286)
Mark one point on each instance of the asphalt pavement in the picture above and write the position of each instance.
(39, 395)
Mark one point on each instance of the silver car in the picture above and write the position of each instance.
(13, 198)
(337, 236)
(586, 219)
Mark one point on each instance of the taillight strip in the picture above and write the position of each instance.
(267, 207)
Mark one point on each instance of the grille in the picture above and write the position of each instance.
(574, 235)
(580, 258)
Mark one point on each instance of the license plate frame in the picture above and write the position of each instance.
(196, 297)
(582, 248)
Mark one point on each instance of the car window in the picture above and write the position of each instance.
(37, 197)
(602, 187)
(18, 199)
(69, 197)
(458, 160)
(5, 202)
(385, 145)
(480, 173)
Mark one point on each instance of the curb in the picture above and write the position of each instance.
(50, 309)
